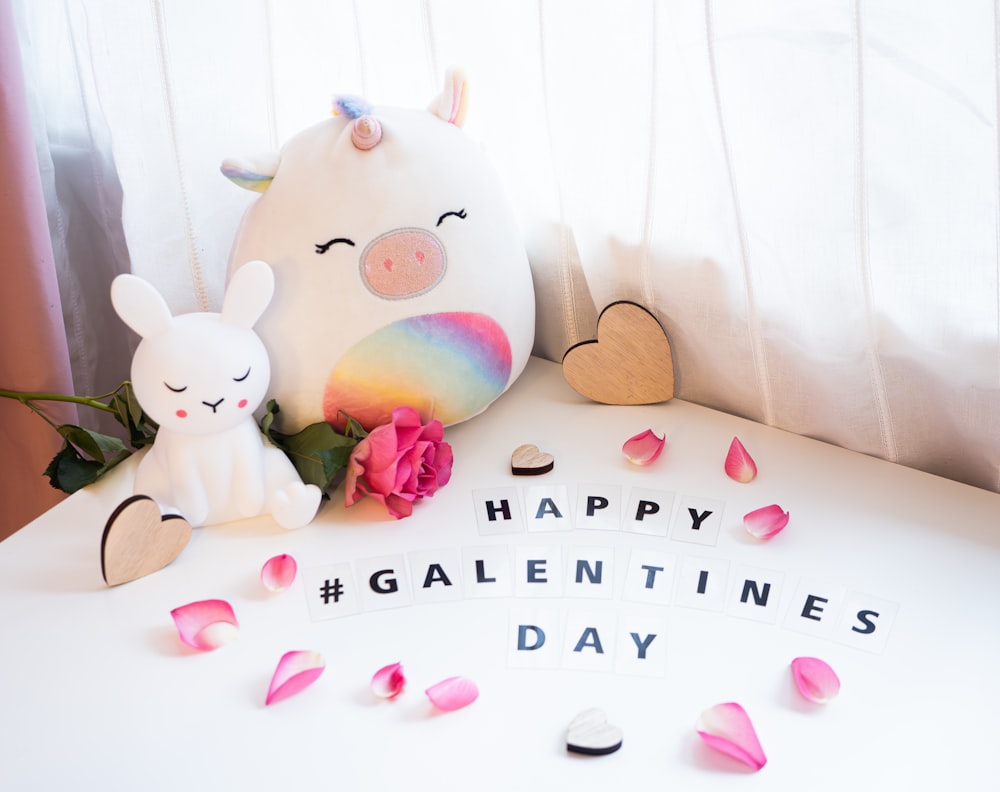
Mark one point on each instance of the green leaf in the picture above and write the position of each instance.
(123, 411)
(143, 433)
(69, 470)
(120, 406)
(318, 452)
(267, 421)
(141, 428)
(99, 447)
(135, 411)
(354, 429)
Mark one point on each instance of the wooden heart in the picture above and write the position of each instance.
(527, 460)
(137, 541)
(590, 733)
(629, 362)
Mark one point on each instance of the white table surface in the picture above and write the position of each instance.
(97, 692)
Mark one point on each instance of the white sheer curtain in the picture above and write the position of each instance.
(806, 194)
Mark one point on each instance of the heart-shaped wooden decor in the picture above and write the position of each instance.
(590, 733)
(138, 541)
(527, 460)
(629, 362)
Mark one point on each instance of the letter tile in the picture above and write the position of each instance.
(538, 571)
(331, 591)
(589, 642)
(547, 508)
(702, 583)
(815, 607)
(642, 645)
(599, 507)
(383, 582)
(697, 520)
(650, 577)
(590, 572)
(649, 512)
(866, 622)
(755, 593)
(498, 511)
(534, 638)
(487, 571)
(437, 575)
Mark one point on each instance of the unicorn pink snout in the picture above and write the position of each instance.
(403, 263)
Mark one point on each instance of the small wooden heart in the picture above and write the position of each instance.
(138, 541)
(628, 363)
(591, 734)
(527, 460)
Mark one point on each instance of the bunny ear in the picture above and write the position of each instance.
(248, 294)
(140, 306)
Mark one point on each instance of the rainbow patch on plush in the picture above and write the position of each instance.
(448, 366)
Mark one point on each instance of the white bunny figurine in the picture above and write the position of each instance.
(200, 376)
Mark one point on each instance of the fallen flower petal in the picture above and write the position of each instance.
(453, 693)
(765, 522)
(389, 681)
(295, 672)
(727, 729)
(206, 624)
(278, 573)
(644, 447)
(815, 680)
(739, 464)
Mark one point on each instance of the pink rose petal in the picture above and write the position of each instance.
(206, 624)
(453, 693)
(739, 464)
(727, 728)
(815, 679)
(278, 573)
(765, 522)
(389, 681)
(295, 672)
(644, 447)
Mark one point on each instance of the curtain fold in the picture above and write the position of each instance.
(807, 196)
(33, 350)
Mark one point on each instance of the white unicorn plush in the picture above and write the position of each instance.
(402, 276)
(200, 376)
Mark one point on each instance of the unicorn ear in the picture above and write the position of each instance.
(451, 104)
(252, 173)
(140, 306)
(248, 294)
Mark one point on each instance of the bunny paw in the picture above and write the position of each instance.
(296, 504)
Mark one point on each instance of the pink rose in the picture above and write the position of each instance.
(399, 463)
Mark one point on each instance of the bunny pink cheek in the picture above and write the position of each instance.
(243, 403)
(182, 414)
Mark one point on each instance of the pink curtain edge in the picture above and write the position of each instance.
(33, 348)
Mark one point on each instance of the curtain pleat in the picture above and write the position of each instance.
(33, 351)
(765, 408)
(807, 195)
(863, 233)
